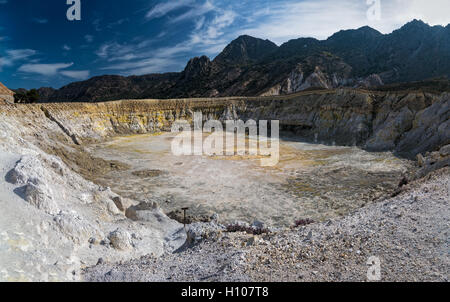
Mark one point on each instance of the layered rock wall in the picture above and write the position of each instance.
(407, 123)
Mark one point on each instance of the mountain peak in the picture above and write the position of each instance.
(364, 32)
(198, 66)
(370, 30)
(415, 25)
(245, 49)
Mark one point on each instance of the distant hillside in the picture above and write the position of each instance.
(250, 66)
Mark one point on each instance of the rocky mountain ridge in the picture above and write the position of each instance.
(250, 66)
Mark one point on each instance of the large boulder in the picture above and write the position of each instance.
(76, 228)
(28, 167)
(141, 211)
(41, 196)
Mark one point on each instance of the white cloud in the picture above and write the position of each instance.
(162, 9)
(14, 55)
(103, 51)
(281, 21)
(214, 29)
(149, 65)
(397, 12)
(287, 20)
(44, 69)
(196, 11)
(66, 47)
(206, 37)
(76, 74)
(113, 51)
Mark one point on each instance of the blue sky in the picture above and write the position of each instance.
(40, 47)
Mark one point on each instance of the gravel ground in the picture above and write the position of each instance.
(408, 233)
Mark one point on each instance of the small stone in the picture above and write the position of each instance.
(309, 236)
(251, 241)
(104, 242)
(445, 151)
(118, 202)
(257, 224)
(420, 160)
(120, 239)
(215, 217)
(100, 261)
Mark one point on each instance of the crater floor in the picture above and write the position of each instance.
(312, 181)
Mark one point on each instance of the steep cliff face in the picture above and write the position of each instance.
(407, 123)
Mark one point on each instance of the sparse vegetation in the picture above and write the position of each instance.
(303, 222)
(27, 97)
(233, 228)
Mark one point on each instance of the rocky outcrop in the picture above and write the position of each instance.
(6, 95)
(407, 124)
(244, 50)
(433, 161)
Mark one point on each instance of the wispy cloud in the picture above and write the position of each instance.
(138, 59)
(283, 20)
(56, 69)
(398, 12)
(44, 69)
(76, 74)
(3, 1)
(195, 11)
(66, 47)
(117, 23)
(15, 55)
(145, 66)
(207, 36)
(163, 8)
